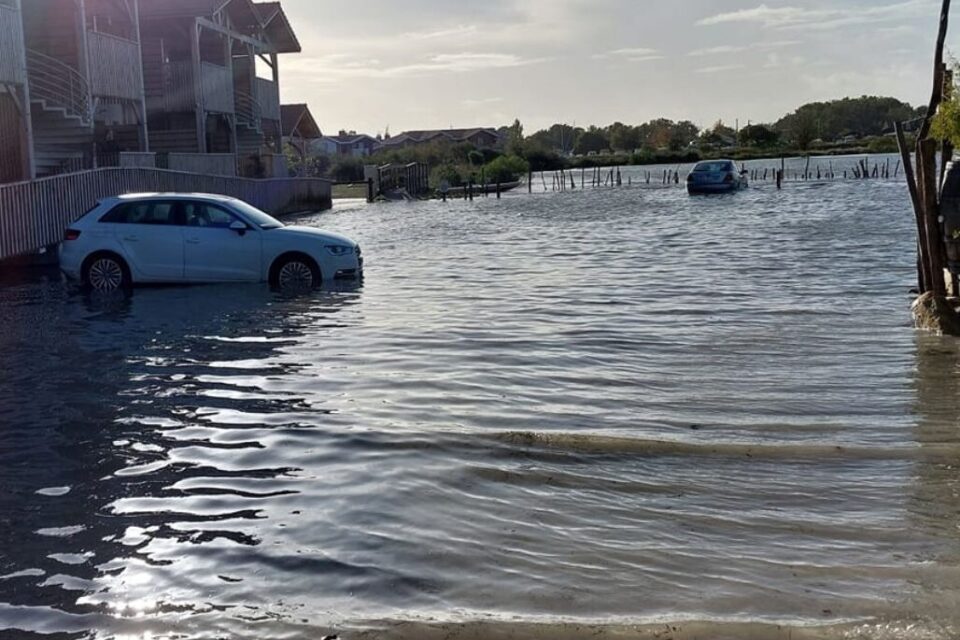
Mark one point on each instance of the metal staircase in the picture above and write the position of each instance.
(62, 116)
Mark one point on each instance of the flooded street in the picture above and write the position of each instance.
(602, 407)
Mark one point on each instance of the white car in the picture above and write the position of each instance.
(199, 238)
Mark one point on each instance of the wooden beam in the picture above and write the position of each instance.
(938, 69)
(929, 191)
(236, 35)
(201, 114)
(923, 269)
(142, 103)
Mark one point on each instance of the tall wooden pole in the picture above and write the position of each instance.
(938, 71)
(923, 264)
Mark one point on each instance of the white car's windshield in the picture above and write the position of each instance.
(256, 216)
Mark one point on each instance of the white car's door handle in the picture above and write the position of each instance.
(193, 240)
(131, 238)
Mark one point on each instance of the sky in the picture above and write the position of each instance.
(377, 65)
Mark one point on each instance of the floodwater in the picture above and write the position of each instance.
(552, 415)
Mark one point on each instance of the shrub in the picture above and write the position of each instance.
(506, 169)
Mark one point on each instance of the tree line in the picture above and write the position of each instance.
(814, 124)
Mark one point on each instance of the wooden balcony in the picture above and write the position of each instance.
(12, 63)
(267, 94)
(114, 67)
(217, 83)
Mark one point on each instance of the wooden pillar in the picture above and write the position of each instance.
(28, 157)
(233, 117)
(142, 103)
(199, 108)
(929, 191)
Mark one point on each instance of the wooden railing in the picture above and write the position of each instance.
(58, 84)
(35, 214)
(11, 46)
(217, 85)
(268, 95)
(249, 111)
(178, 90)
(215, 164)
(114, 66)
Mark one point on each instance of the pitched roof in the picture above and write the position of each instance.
(426, 135)
(278, 27)
(297, 117)
(352, 138)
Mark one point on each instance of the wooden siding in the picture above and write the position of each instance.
(35, 214)
(174, 140)
(131, 159)
(216, 164)
(12, 62)
(11, 140)
(114, 67)
(178, 90)
(268, 95)
(217, 84)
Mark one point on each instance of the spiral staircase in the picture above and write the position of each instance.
(62, 116)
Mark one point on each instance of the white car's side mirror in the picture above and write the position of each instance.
(239, 227)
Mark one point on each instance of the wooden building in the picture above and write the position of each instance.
(211, 77)
(189, 85)
(71, 89)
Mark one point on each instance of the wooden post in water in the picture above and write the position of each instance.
(779, 179)
(530, 182)
(498, 188)
(923, 268)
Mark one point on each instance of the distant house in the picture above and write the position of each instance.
(300, 129)
(482, 138)
(352, 144)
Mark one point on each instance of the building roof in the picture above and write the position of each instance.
(278, 28)
(426, 135)
(297, 118)
(350, 138)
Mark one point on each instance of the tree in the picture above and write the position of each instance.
(720, 134)
(759, 135)
(591, 141)
(514, 136)
(623, 137)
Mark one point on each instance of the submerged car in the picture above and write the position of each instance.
(199, 238)
(716, 176)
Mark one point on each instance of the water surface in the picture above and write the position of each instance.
(594, 408)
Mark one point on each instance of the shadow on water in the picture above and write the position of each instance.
(92, 387)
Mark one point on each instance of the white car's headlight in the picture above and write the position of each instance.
(339, 250)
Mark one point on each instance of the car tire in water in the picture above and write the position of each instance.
(106, 272)
(295, 273)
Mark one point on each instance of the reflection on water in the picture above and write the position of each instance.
(607, 407)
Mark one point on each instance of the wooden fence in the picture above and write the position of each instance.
(114, 66)
(215, 164)
(35, 214)
(217, 83)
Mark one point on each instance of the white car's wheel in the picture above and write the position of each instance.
(296, 273)
(106, 273)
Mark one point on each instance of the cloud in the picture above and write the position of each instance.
(797, 17)
(453, 32)
(480, 102)
(336, 68)
(758, 46)
(633, 54)
(720, 68)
